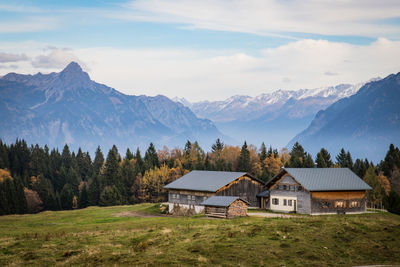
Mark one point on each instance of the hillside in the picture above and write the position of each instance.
(365, 123)
(256, 119)
(106, 236)
(68, 107)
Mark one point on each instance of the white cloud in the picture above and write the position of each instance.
(11, 57)
(32, 24)
(272, 17)
(56, 59)
(210, 74)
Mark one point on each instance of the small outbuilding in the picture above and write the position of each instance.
(225, 207)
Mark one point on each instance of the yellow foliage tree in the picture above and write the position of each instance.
(4, 174)
(385, 184)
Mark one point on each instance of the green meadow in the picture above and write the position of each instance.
(139, 235)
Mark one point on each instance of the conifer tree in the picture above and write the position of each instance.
(151, 158)
(98, 161)
(66, 197)
(83, 198)
(111, 168)
(244, 159)
(139, 161)
(263, 152)
(341, 158)
(323, 159)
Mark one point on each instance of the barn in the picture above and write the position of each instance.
(224, 207)
(188, 192)
(315, 191)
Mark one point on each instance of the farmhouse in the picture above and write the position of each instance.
(189, 191)
(315, 191)
(224, 207)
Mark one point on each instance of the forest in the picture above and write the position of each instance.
(35, 178)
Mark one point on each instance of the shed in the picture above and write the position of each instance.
(225, 207)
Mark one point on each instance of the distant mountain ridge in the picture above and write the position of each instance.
(365, 123)
(257, 119)
(68, 107)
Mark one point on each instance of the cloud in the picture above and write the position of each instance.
(218, 74)
(9, 57)
(9, 67)
(57, 58)
(31, 24)
(330, 73)
(272, 17)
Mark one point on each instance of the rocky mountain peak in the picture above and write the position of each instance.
(74, 72)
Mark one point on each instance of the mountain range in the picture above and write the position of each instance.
(68, 107)
(366, 123)
(273, 118)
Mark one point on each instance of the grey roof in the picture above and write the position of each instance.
(327, 179)
(263, 194)
(209, 181)
(220, 201)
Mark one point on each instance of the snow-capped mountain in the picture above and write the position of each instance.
(255, 118)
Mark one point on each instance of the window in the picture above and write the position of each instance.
(275, 201)
(354, 204)
(193, 197)
(284, 187)
(289, 202)
(177, 196)
(300, 188)
(285, 202)
(340, 204)
(325, 204)
(204, 198)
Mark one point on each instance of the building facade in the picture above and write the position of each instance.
(315, 191)
(188, 192)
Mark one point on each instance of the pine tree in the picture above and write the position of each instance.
(394, 202)
(110, 196)
(66, 157)
(349, 161)
(83, 198)
(263, 152)
(111, 171)
(392, 159)
(341, 158)
(98, 161)
(128, 155)
(323, 159)
(94, 192)
(244, 159)
(297, 156)
(151, 158)
(66, 197)
(216, 150)
(139, 161)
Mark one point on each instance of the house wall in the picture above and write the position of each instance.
(245, 188)
(294, 192)
(189, 200)
(342, 201)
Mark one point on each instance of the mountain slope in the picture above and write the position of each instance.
(273, 118)
(68, 107)
(365, 123)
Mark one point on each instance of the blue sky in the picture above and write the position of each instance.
(204, 49)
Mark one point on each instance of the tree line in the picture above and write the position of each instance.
(35, 178)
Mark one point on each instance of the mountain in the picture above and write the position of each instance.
(68, 107)
(364, 123)
(274, 117)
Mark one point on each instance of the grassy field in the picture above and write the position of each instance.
(101, 236)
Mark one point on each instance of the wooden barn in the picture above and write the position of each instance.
(189, 191)
(224, 207)
(315, 191)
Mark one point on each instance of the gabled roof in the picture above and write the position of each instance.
(324, 179)
(220, 201)
(209, 181)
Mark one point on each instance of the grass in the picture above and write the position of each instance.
(96, 236)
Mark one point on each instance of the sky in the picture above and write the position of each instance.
(204, 50)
